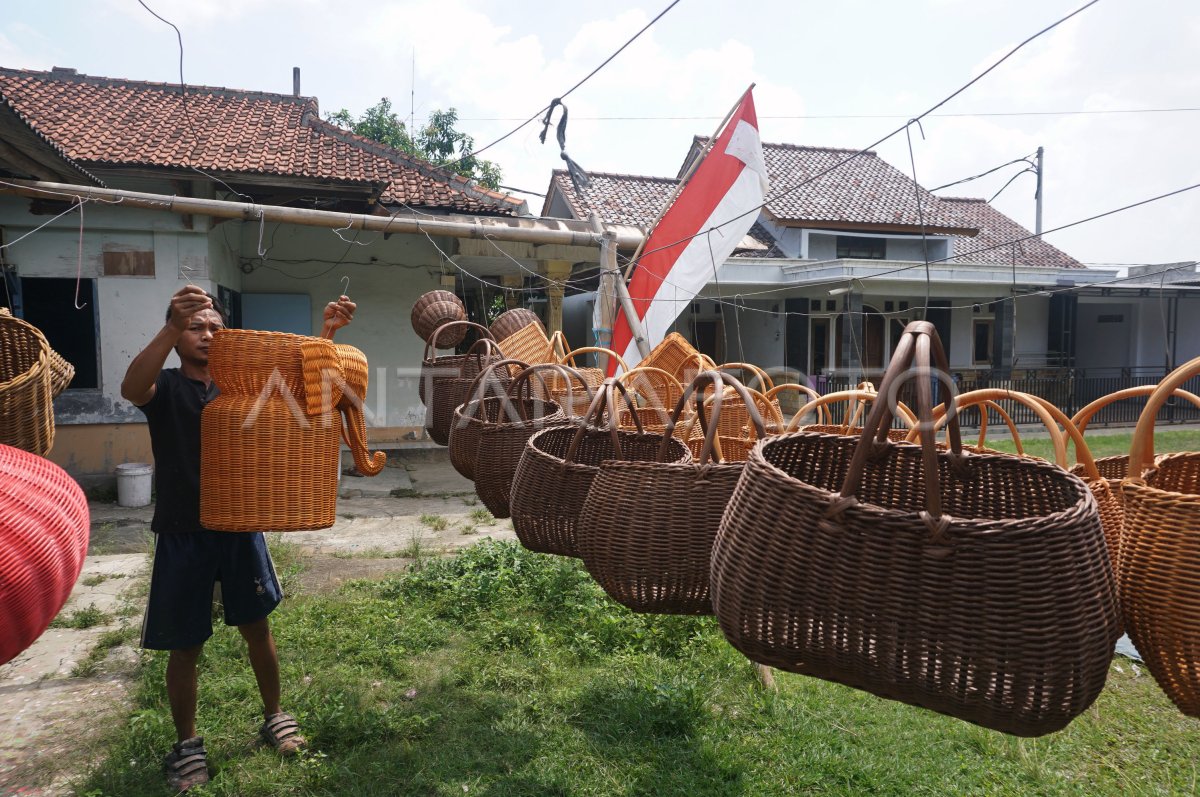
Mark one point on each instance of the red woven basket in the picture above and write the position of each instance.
(44, 526)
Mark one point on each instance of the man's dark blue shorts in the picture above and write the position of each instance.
(187, 565)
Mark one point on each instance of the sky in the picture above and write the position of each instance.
(814, 65)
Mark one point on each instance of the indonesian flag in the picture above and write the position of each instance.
(709, 218)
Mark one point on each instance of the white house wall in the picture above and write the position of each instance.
(1032, 327)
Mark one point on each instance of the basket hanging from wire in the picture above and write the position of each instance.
(511, 321)
(31, 376)
(269, 452)
(487, 403)
(976, 585)
(1159, 567)
(559, 463)
(44, 526)
(647, 528)
(436, 309)
(502, 443)
(435, 367)
(451, 391)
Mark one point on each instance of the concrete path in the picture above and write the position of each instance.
(55, 695)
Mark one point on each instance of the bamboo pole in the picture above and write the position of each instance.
(532, 231)
(609, 268)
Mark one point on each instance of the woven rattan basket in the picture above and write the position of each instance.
(647, 528)
(558, 466)
(528, 344)
(975, 585)
(451, 391)
(43, 540)
(31, 375)
(435, 309)
(677, 357)
(557, 387)
(513, 320)
(269, 452)
(1159, 572)
(487, 403)
(501, 444)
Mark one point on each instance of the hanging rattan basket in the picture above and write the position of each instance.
(31, 375)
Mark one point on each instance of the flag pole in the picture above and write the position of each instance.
(611, 272)
(683, 181)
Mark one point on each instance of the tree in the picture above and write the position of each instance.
(437, 141)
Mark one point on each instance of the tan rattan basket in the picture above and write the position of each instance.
(269, 452)
(514, 320)
(1159, 571)
(31, 375)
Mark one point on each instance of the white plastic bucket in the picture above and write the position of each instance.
(133, 483)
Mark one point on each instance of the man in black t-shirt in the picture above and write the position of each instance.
(189, 560)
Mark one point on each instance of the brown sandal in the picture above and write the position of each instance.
(187, 764)
(282, 732)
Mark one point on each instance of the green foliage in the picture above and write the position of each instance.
(87, 617)
(437, 141)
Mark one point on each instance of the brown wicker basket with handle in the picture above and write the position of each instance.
(269, 452)
(804, 394)
(856, 401)
(487, 403)
(976, 585)
(436, 309)
(450, 391)
(656, 393)
(1159, 573)
(559, 463)
(647, 528)
(27, 385)
(435, 367)
(501, 444)
(511, 321)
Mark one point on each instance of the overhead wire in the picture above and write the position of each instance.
(568, 92)
(971, 114)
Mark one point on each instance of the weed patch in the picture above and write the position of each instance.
(88, 617)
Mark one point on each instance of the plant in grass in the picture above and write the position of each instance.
(99, 652)
(87, 617)
(482, 517)
(434, 522)
(99, 578)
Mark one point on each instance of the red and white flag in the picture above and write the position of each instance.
(709, 218)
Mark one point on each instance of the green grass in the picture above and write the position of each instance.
(99, 578)
(107, 641)
(1100, 444)
(434, 522)
(529, 681)
(87, 617)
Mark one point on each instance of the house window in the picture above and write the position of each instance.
(983, 341)
(49, 304)
(852, 246)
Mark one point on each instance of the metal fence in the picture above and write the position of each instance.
(1068, 391)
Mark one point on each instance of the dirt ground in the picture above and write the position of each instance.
(55, 695)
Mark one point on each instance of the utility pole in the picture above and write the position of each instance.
(610, 275)
(1038, 196)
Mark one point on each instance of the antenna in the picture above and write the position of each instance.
(412, 96)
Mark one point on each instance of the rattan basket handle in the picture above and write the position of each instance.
(989, 396)
(605, 401)
(479, 387)
(1142, 447)
(431, 349)
(759, 374)
(569, 359)
(1082, 418)
(821, 402)
(710, 451)
(523, 379)
(805, 390)
(559, 346)
(918, 354)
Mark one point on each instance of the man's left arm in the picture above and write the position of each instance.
(337, 315)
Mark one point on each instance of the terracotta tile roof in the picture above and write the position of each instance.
(103, 122)
(619, 198)
(867, 190)
(35, 156)
(996, 228)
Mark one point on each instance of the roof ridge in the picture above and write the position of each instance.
(71, 76)
(592, 173)
(785, 145)
(961, 198)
